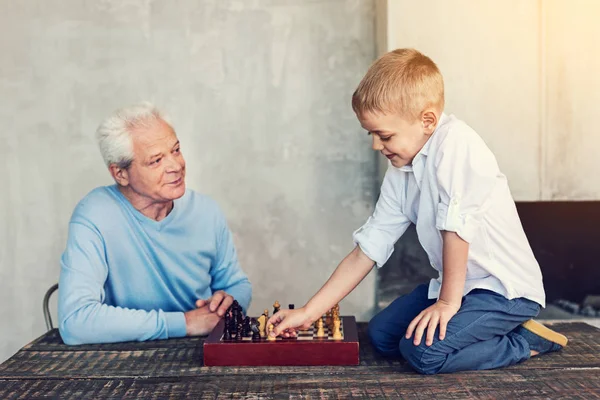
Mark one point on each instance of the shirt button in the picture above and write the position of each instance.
(455, 202)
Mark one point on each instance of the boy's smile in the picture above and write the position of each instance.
(396, 137)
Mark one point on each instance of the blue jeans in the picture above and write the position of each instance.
(478, 337)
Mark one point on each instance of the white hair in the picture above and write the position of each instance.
(114, 133)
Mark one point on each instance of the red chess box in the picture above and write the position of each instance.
(306, 349)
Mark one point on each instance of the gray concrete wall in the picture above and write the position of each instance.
(259, 92)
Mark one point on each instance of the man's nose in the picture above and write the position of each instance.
(173, 165)
(377, 145)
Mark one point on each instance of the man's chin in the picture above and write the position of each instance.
(177, 192)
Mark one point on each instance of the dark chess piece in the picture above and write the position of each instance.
(291, 306)
(239, 336)
(240, 315)
(237, 313)
(233, 327)
(254, 327)
(246, 329)
(226, 333)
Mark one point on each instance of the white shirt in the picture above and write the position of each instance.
(454, 184)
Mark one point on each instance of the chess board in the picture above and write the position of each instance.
(306, 349)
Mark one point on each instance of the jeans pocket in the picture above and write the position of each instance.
(525, 307)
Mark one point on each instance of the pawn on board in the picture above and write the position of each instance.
(320, 330)
(337, 335)
(269, 337)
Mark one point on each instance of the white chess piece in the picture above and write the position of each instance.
(320, 330)
(262, 325)
(337, 335)
(269, 337)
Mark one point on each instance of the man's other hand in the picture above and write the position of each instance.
(219, 302)
(201, 321)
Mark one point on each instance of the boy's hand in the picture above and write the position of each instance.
(439, 313)
(288, 321)
(219, 302)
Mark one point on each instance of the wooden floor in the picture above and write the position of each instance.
(47, 368)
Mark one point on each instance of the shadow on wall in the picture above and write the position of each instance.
(564, 237)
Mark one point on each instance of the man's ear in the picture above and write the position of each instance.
(429, 120)
(120, 175)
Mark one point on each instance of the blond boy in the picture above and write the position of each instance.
(444, 179)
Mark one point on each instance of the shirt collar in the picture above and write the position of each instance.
(425, 149)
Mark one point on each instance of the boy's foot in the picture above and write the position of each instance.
(541, 339)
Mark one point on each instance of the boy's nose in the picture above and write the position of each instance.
(377, 145)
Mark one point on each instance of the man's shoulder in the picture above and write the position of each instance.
(97, 204)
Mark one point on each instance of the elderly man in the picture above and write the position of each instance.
(146, 258)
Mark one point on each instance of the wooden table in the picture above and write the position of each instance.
(46, 368)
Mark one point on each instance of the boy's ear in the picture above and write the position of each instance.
(429, 121)
(120, 175)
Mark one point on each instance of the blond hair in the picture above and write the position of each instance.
(402, 81)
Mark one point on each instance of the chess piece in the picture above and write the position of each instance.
(233, 328)
(335, 316)
(269, 337)
(291, 306)
(320, 330)
(262, 324)
(276, 307)
(240, 331)
(266, 313)
(246, 330)
(254, 327)
(337, 335)
(226, 333)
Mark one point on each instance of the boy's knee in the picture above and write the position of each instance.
(380, 339)
(376, 335)
(423, 359)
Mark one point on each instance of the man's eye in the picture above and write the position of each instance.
(177, 150)
(156, 161)
(385, 139)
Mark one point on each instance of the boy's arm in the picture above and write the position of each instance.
(455, 253)
(375, 243)
(348, 274)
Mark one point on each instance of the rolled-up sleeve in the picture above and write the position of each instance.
(467, 173)
(378, 235)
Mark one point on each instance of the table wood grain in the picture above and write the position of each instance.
(47, 368)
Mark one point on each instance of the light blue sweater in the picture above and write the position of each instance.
(127, 277)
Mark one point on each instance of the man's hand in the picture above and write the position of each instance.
(439, 313)
(201, 321)
(219, 302)
(286, 322)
